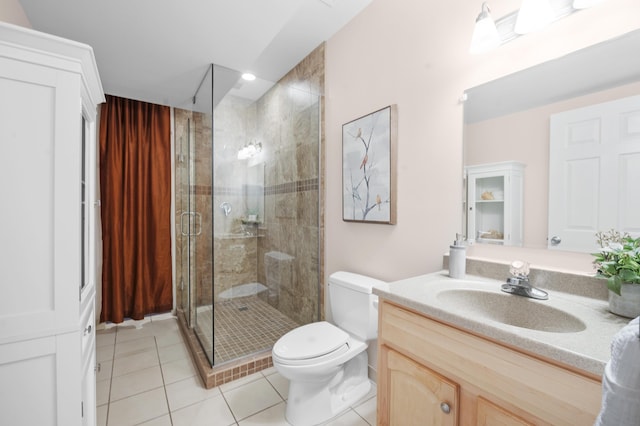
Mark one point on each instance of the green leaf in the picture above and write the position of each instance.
(614, 284)
(627, 275)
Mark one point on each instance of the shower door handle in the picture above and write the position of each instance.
(186, 234)
(197, 221)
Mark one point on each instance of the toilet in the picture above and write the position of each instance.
(326, 364)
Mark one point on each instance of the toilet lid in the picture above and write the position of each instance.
(310, 341)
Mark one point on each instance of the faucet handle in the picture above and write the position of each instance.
(519, 268)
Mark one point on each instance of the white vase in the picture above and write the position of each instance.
(628, 303)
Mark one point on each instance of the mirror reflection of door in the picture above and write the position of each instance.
(594, 165)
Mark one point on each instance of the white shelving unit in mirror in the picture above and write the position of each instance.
(494, 203)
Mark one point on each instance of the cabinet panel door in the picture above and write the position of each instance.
(417, 395)
(39, 382)
(40, 262)
(490, 414)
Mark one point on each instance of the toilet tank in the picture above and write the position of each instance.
(353, 305)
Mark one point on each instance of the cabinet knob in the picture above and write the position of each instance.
(87, 330)
(445, 408)
(555, 240)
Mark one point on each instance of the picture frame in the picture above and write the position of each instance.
(369, 145)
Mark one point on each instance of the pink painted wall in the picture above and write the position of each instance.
(415, 54)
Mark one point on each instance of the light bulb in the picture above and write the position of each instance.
(485, 34)
(533, 15)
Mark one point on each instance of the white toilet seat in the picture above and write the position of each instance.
(311, 343)
(308, 361)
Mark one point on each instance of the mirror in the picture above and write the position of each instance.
(507, 120)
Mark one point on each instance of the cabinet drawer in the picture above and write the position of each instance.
(552, 394)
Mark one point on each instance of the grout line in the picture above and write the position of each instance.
(235, 419)
(113, 364)
(358, 414)
(164, 384)
(274, 388)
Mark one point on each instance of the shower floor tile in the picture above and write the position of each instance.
(241, 327)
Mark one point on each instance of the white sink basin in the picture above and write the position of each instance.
(510, 309)
(570, 328)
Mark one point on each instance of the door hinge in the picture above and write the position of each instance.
(82, 409)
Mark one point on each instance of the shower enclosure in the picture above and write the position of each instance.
(246, 211)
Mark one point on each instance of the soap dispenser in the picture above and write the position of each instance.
(457, 258)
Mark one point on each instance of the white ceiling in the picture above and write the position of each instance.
(158, 50)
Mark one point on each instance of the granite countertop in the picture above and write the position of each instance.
(587, 329)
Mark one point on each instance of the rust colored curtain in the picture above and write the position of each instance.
(135, 185)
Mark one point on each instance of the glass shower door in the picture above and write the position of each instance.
(183, 161)
(184, 233)
(193, 197)
(201, 265)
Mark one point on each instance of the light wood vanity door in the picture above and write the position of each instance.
(417, 395)
(490, 414)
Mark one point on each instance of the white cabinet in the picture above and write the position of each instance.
(49, 90)
(494, 203)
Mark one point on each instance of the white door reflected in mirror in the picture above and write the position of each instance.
(594, 157)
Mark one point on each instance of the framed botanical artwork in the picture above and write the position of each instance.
(369, 167)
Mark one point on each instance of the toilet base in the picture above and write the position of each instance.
(312, 403)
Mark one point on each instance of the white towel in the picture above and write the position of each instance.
(621, 380)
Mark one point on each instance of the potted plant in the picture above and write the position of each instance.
(619, 263)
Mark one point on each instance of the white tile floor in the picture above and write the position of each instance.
(146, 377)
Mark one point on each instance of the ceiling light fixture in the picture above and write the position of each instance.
(534, 15)
(485, 35)
(248, 76)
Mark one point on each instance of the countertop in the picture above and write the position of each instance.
(587, 349)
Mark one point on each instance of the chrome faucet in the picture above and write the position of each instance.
(519, 284)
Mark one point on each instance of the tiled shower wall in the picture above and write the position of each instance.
(290, 116)
(235, 252)
(286, 120)
(234, 243)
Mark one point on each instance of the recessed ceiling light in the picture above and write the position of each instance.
(248, 76)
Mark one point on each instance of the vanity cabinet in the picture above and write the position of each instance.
(417, 395)
(490, 414)
(49, 93)
(433, 373)
(494, 203)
